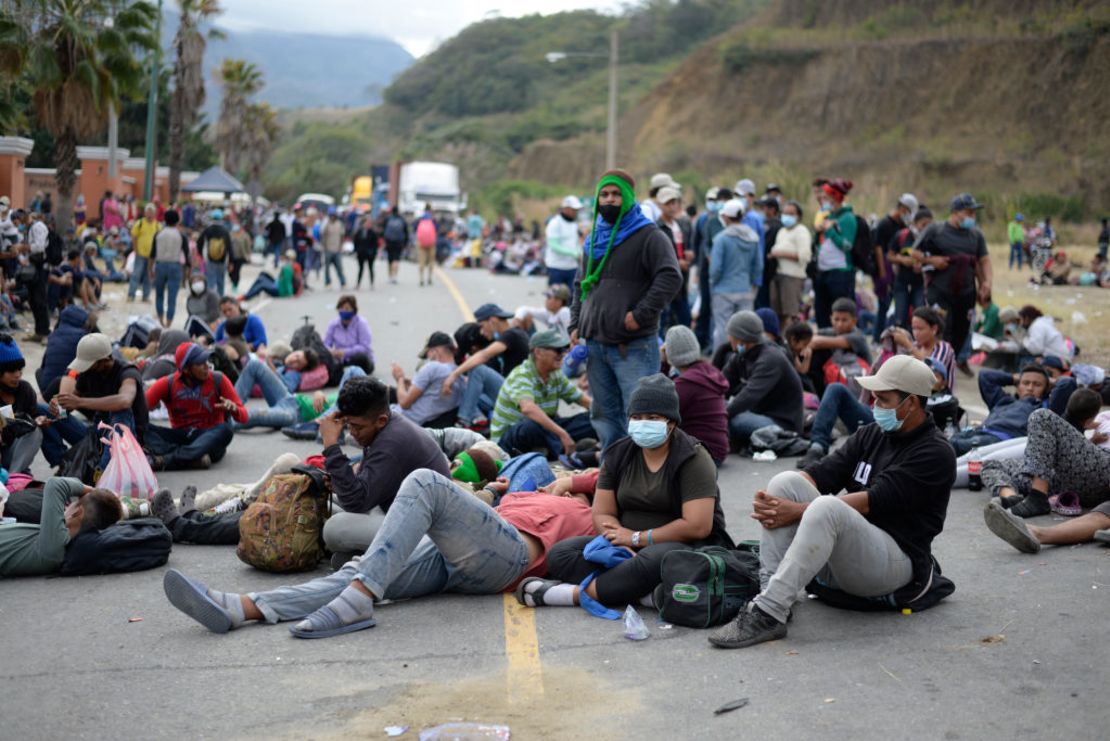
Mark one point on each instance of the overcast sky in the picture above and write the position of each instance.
(418, 25)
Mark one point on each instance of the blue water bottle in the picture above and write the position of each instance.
(575, 361)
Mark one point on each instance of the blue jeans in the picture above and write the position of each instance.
(179, 447)
(906, 299)
(215, 273)
(881, 315)
(742, 425)
(527, 435)
(334, 259)
(1017, 252)
(838, 403)
(482, 386)
(167, 279)
(437, 537)
(139, 274)
(555, 276)
(264, 283)
(283, 411)
(276, 248)
(614, 372)
(55, 436)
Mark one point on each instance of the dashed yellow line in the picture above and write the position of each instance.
(522, 643)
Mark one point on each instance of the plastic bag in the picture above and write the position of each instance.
(466, 732)
(634, 628)
(128, 472)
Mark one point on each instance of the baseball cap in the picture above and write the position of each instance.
(92, 348)
(909, 200)
(550, 338)
(437, 339)
(711, 194)
(772, 187)
(190, 353)
(745, 187)
(559, 291)
(114, 230)
(734, 209)
(5, 201)
(964, 201)
(668, 193)
(901, 373)
(663, 180)
(1052, 361)
(486, 311)
(572, 202)
(216, 215)
(1019, 216)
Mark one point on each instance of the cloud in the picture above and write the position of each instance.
(419, 27)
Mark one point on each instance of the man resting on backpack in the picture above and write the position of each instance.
(199, 400)
(392, 448)
(470, 548)
(36, 550)
(873, 542)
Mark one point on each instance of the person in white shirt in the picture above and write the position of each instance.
(653, 207)
(1042, 339)
(554, 314)
(564, 244)
(793, 249)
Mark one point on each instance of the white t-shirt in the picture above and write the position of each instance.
(560, 320)
(651, 210)
(564, 248)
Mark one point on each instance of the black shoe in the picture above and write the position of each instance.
(966, 369)
(1034, 505)
(301, 431)
(812, 456)
(750, 627)
(1008, 502)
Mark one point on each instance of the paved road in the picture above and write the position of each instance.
(72, 665)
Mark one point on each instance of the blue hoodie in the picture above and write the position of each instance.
(61, 348)
(736, 261)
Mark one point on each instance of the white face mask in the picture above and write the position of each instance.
(199, 286)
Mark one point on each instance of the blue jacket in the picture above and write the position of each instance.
(1009, 415)
(61, 348)
(736, 261)
(254, 334)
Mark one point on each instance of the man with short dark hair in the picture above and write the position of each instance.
(873, 542)
(419, 398)
(486, 369)
(763, 388)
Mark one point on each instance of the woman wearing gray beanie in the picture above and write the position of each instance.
(656, 492)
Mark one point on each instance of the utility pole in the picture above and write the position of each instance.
(152, 112)
(611, 134)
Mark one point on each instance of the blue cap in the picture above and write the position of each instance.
(963, 202)
(216, 215)
(487, 311)
(1019, 216)
(332, 211)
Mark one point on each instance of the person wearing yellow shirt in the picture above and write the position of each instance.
(142, 235)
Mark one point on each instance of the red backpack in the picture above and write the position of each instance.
(426, 234)
(845, 367)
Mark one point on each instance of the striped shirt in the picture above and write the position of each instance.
(946, 356)
(524, 382)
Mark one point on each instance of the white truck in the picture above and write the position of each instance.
(420, 183)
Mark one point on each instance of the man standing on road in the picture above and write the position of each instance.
(628, 275)
(708, 225)
(142, 238)
(564, 244)
(678, 231)
(38, 235)
(275, 236)
(332, 236)
(873, 542)
(901, 217)
(959, 267)
(214, 245)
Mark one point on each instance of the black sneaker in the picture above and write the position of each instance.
(750, 627)
(812, 456)
(1034, 505)
(301, 431)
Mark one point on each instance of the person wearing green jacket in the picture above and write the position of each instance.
(1016, 234)
(989, 324)
(836, 275)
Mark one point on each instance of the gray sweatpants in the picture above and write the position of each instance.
(349, 532)
(831, 541)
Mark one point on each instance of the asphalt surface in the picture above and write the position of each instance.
(1012, 654)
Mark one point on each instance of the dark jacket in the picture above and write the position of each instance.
(641, 276)
(908, 479)
(1009, 415)
(701, 400)
(763, 380)
(682, 451)
(61, 347)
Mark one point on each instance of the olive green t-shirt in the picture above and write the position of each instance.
(643, 501)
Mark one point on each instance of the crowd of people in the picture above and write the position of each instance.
(666, 348)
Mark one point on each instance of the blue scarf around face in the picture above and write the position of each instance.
(631, 222)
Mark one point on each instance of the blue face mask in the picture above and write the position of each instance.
(346, 315)
(789, 221)
(713, 206)
(967, 222)
(887, 419)
(647, 433)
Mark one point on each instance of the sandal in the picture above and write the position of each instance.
(1066, 504)
(328, 625)
(537, 595)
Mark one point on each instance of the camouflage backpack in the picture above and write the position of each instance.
(282, 530)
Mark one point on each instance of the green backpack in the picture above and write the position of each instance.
(283, 529)
(706, 586)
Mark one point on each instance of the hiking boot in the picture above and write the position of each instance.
(812, 456)
(162, 506)
(201, 464)
(1010, 528)
(301, 431)
(1034, 505)
(750, 627)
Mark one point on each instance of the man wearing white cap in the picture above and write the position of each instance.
(653, 207)
(900, 217)
(753, 217)
(564, 244)
(871, 547)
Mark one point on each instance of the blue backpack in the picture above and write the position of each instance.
(527, 472)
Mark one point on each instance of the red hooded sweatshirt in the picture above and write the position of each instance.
(701, 401)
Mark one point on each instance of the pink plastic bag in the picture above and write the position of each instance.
(128, 472)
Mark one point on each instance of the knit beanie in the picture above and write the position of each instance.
(682, 346)
(770, 320)
(746, 326)
(11, 359)
(655, 395)
(475, 467)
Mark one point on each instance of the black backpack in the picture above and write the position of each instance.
(706, 586)
(82, 460)
(55, 249)
(131, 545)
(918, 595)
(863, 248)
(307, 338)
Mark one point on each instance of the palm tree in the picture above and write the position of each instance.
(188, 78)
(240, 80)
(79, 65)
(260, 133)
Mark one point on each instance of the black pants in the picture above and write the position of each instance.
(623, 584)
(181, 447)
(958, 312)
(201, 529)
(36, 297)
(362, 360)
(366, 261)
(704, 326)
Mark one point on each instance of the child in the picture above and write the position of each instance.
(701, 392)
(798, 336)
(555, 313)
(841, 352)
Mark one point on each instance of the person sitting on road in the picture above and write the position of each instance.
(421, 398)
(486, 369)
(701, 392)
(526, 415)
(646, 478)
(554, 314)
(924, 341)
(198, 400)
(874, 540)
(435, 538)
(392, 448)
(21, 433)
(1009, 415)
(288, 283)
(764, 389)
(255, 331)
(38, 549)
(202, 304)
(1028, 538)
(348, 336)
(1042, 338)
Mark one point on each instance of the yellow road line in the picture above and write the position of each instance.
(522, 643)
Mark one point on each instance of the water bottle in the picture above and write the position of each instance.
(950, 429)
(575, 359)
(974, 471)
